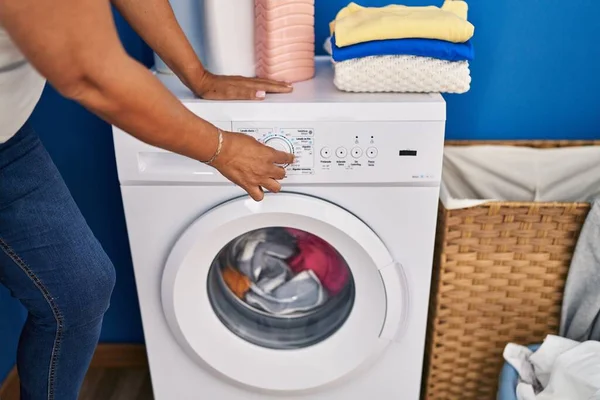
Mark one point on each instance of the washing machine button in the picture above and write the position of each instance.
(357, 152)
(325, 152)
(372, 152)
(341, 152)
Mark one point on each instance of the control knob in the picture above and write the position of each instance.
(280, 143)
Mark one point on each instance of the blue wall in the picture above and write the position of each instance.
(535, 77)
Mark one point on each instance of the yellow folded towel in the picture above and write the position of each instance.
(357, 24)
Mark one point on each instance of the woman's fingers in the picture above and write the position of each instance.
(252, 165)
(272, 185)
(271, 87)
(246, 89)
(262, 82)
(255, 192)
(269, 184)
(267, 85)
(280, 157)
(232, 92)
(243, 93)
(274, 82)
(277, 173)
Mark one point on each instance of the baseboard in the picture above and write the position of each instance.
(105, 356)
(120, 356)
(9, 389)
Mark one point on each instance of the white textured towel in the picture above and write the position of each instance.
(405, 74)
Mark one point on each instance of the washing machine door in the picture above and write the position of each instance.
(289, 294)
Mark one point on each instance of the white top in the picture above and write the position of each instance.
(316, 100)
(20, 88)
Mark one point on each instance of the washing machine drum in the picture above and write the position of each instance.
(281, 288)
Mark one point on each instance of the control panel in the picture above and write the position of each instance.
(326, 152)
(355, 152)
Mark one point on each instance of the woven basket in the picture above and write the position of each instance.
(499, 274)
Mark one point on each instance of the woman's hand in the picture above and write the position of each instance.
(222, 87)
(250, 164)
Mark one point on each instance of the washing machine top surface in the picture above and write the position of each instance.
(316, 99)
(336, 137)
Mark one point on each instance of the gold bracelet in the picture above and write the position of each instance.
(218, 151)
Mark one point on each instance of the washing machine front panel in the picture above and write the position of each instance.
(268, 342)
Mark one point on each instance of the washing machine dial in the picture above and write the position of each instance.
(280, 143)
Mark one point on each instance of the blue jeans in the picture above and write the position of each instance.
(50, 261)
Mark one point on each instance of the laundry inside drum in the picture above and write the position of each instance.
(281, 288)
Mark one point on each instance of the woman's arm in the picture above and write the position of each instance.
(155, 22)
(74, 44)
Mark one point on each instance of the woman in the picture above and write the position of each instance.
(49, 258)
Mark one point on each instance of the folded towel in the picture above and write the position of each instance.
(410, 47)
(402, 74)
(357, 24)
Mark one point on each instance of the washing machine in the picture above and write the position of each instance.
(352, 233)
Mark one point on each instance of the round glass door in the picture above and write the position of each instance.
(285, 295)
(281, 288)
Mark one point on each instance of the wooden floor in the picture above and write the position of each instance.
(117, 384)
(109, 384)
(117, 372)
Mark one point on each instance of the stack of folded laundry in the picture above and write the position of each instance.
(402, 49)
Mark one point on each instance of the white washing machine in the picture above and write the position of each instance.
(365, 184)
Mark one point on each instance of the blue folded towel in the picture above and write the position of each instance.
(409, 47)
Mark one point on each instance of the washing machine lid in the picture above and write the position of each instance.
(378, 314)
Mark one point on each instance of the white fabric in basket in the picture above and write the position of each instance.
(475, 175)
(561, 369)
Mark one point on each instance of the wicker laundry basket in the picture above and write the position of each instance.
(499, 274)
